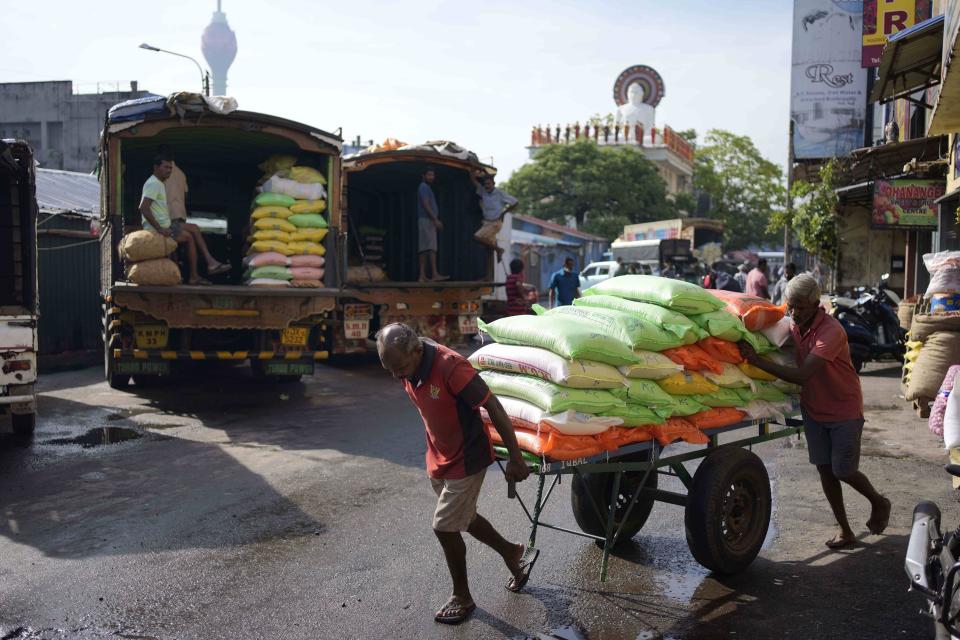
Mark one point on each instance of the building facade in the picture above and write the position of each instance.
(61, 126)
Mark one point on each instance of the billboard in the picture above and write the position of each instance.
(906, 204)
(659, 230)
(828, 87)
(883, 18)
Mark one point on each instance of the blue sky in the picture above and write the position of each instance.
(478, 73)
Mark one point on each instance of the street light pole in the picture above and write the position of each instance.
(204, 75)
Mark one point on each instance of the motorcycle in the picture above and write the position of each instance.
(871, 323)
(933, 568)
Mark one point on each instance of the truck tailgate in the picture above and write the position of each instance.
(223, 306)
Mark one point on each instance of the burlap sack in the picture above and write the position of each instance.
(940, 351)
(159, 272)
(905, 314)
(925, 324)
(146, 245)
(366, 273)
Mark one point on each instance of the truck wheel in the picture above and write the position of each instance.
(114, 379)
(728, 510)
(599, 486)
(23, 423)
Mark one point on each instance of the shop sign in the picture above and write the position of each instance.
(884, 18)
(906, 204)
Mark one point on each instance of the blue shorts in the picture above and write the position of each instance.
(834, 443)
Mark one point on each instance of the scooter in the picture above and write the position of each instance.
(932, 566)
(871, 323)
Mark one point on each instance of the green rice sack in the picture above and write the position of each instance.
(677, 295)
(639, 333)
(572, 338)
(549, 396)
(676, 323)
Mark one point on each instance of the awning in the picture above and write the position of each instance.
(946, 113)
(910, 62)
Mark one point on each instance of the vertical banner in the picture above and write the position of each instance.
(828, 87)
(884, 18)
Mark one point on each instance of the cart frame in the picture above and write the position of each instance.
(671, 465)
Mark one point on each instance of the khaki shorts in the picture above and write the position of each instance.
(487, 234)
(457, 502)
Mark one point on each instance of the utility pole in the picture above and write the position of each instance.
(787, 235)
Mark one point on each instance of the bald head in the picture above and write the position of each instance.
(400, 350)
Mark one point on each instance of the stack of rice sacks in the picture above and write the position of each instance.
(636, 358)
(287, 229)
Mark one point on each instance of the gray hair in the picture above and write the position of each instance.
(397, 337)
(803, 288)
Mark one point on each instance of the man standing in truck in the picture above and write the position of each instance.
(428, 226)
(156, 217)
(495, 205)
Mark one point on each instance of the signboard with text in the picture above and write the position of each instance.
(906, 204)
(659, 230)
(828, 87)
(884, 18)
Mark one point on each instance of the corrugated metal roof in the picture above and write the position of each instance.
(68, 192)
(910, 62)
(553, 226)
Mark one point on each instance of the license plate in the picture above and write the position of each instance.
(468, 325)
(151, 336)
(295, 336)
(146, 368)
(289, 369)
(356, 329)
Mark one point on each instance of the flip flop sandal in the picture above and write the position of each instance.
(454, 614)
(837, 544)
(879, 527)
(200, 281)
(220, 268)
(519, 581)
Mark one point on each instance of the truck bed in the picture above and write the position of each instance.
(221, 289)
(445, 284)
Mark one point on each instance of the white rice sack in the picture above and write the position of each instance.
(779, 333)
(944, 268)
(294, 189)
(951, 421)
(763, 410)
(266, 282)
(533, 361)
(574, 423)
(652, 366)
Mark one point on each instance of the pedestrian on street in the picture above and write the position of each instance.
(780, 289)
(448, 392)
(495, 205)
(831, 402)
(741, 275)
(156, 217)
(517, 304)
(566, 284)
(757, 283)
(428, 226)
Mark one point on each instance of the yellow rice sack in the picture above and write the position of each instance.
(651, 365)
(271, 212)
(309, 206)
(305, 249)
(755, 372)
(309, 235)
(268, 234)
(274, 224)
(687, 383)
(263, 246)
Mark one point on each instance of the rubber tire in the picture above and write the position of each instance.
(23, 423)
(600, 485)
(703, 520)
(114, 379)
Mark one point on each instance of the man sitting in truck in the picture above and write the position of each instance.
(495, 204)
(156, 217)
(428, 226)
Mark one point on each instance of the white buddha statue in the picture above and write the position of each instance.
(635, 110)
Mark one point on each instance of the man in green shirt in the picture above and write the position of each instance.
(156, 217)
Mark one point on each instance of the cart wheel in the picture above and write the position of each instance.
(599, 485)
(728, 510)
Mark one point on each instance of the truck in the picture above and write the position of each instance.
(19, 304)
(378, 246)
(147, 330)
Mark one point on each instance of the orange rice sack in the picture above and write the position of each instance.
(722, 350)
(556, 446)
(622, 436)
(677, 429)
(693, 358)
(715, 418)
(757, 314)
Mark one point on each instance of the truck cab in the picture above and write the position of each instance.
(18, 285)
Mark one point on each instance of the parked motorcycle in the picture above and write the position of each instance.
(871, 323)
(932, 567)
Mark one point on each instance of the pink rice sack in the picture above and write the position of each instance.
(306, 261)
(268, 258)
(307, 273)
(940, 404)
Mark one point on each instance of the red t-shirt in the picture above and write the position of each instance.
(448, 392)
(833, 394)
(757, 284)
(516, 302)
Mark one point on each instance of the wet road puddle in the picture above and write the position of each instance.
(571, 632)
(102, 436)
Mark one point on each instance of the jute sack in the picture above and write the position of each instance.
(924, 324)
(158, 272)
(939, 352)
(146, 245)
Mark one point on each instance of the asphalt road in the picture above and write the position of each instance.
(240, 510)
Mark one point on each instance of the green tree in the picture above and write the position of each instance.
(601, 188)
(814, 219)
(746, 190)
